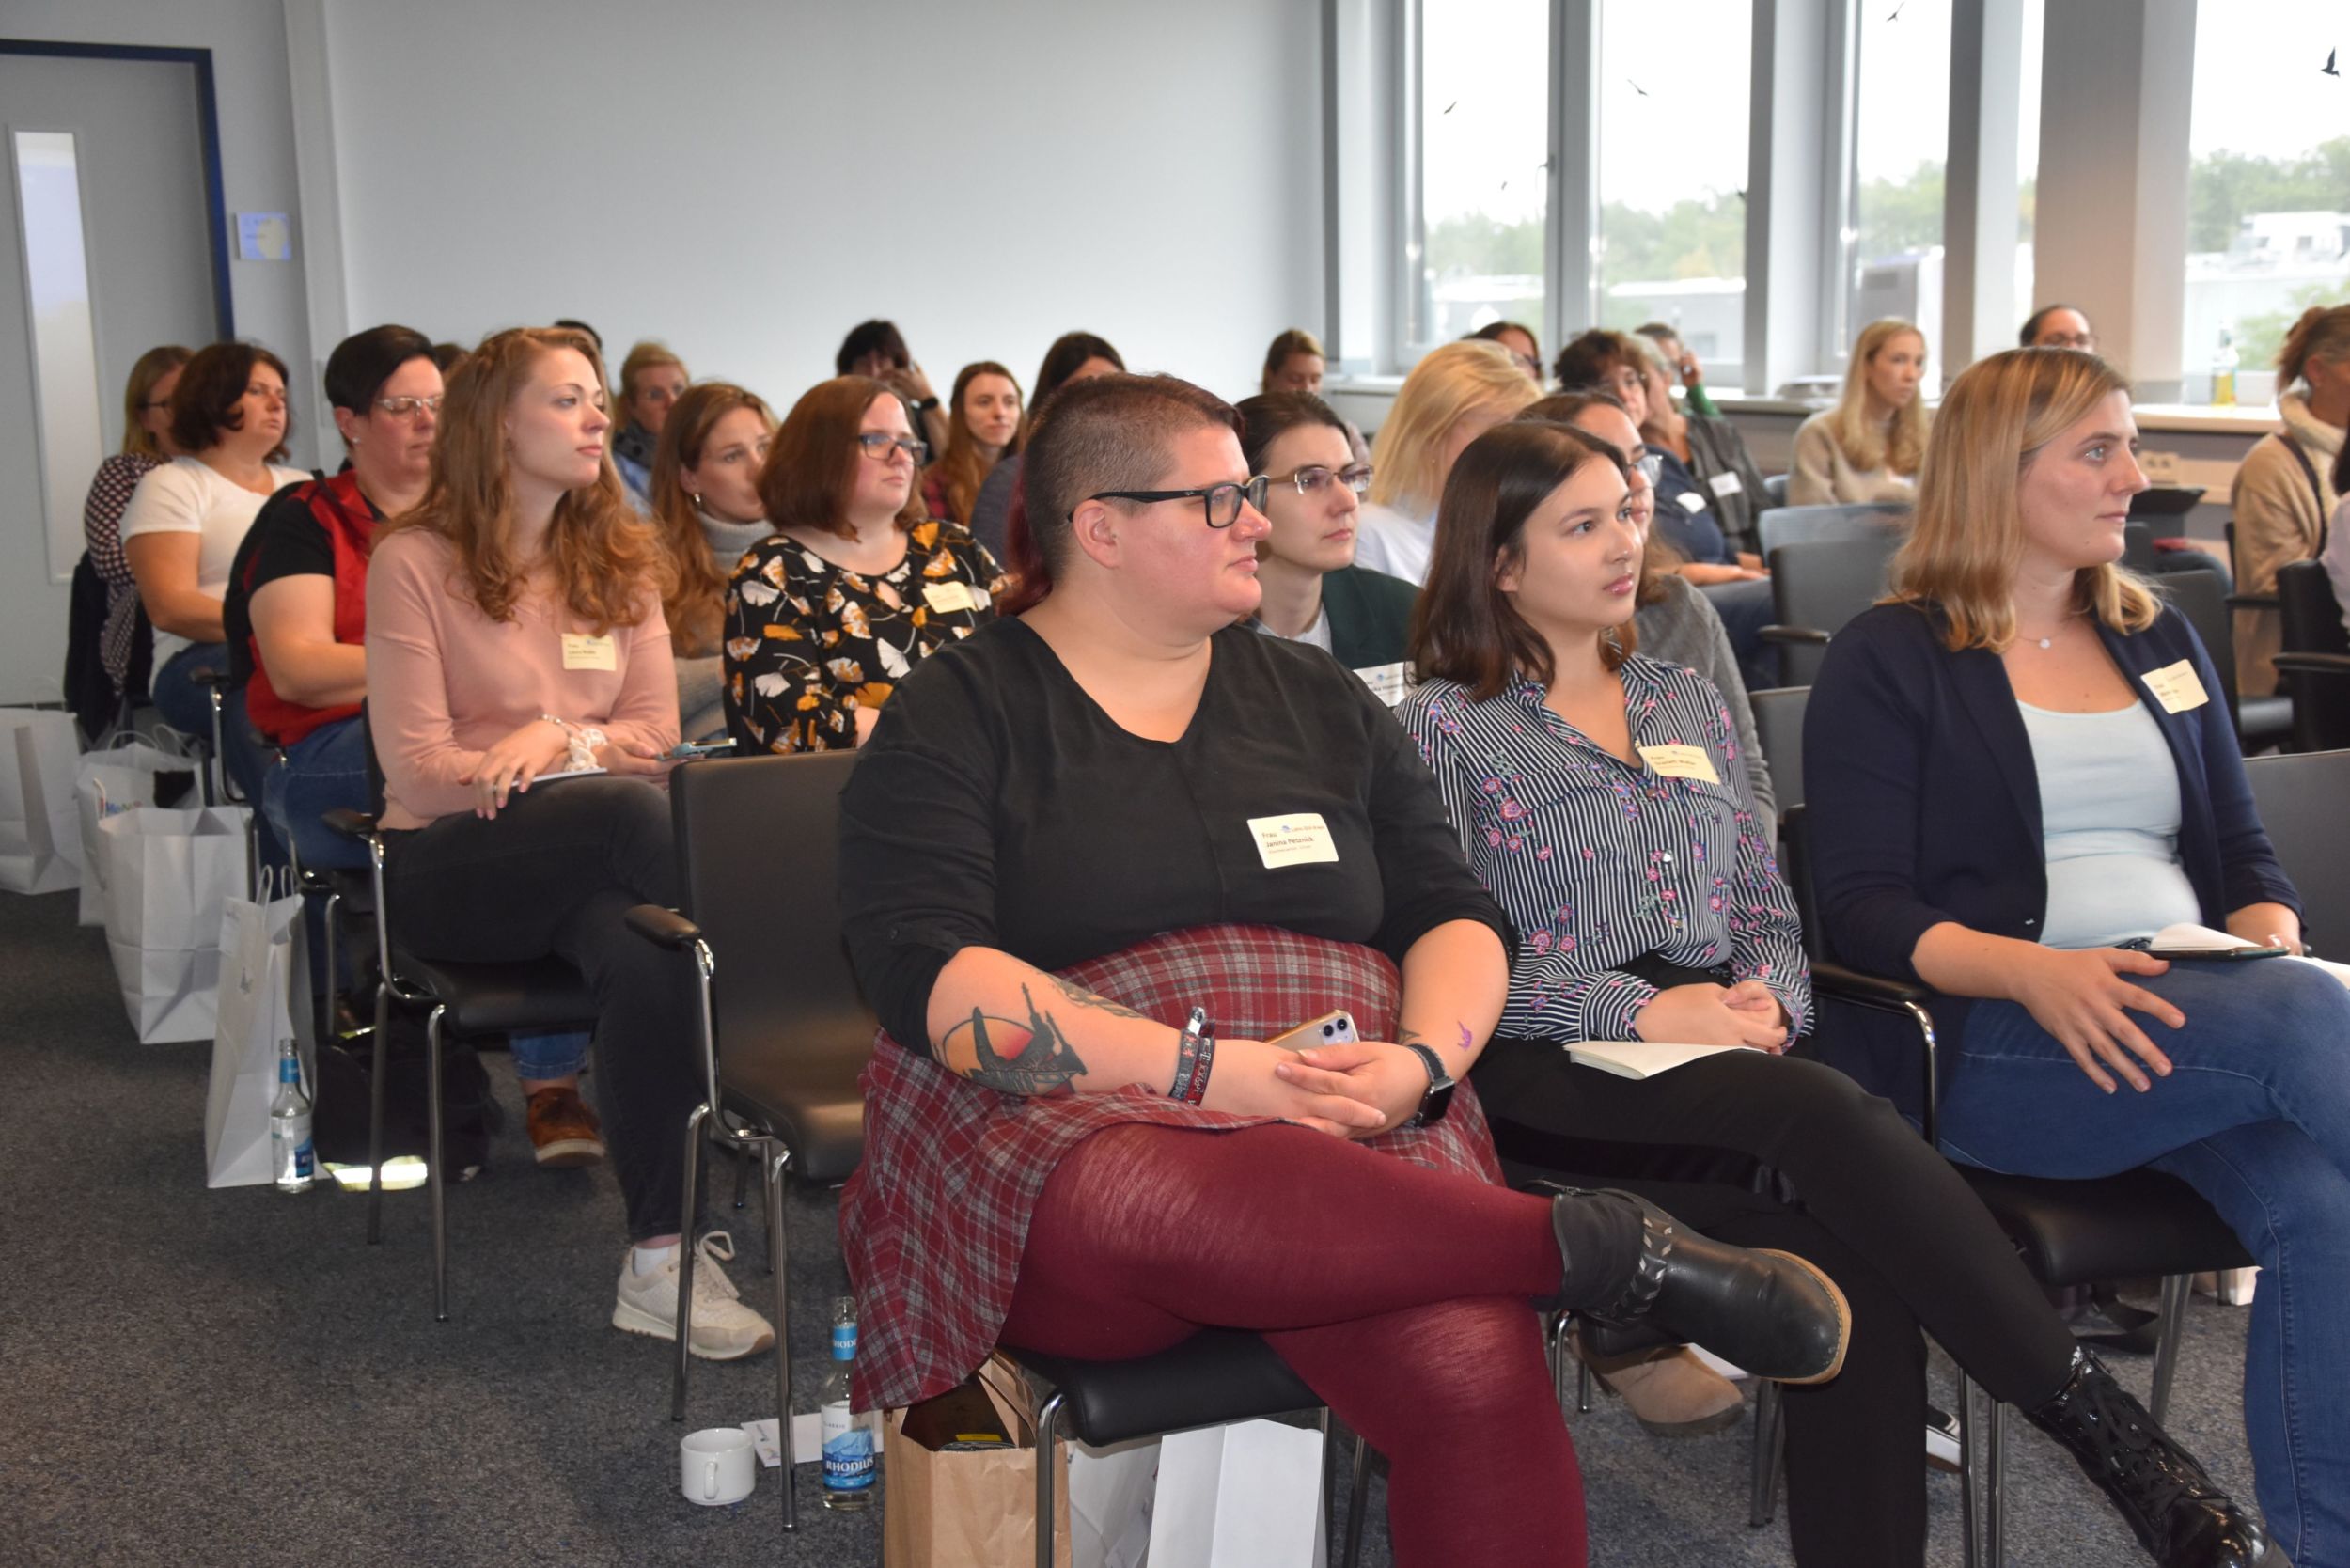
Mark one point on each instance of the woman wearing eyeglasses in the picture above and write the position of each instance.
(1313, 590)
(855, 587)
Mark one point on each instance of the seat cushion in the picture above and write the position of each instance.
(805, 1091)
(1218, 1374)
(2264, 720)
(2130, 1226)
(499, 998)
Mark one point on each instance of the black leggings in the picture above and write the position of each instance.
(1880, 1212)
(554, 873)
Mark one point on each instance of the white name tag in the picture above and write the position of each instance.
(1691, 502)
(1681, 761)
(582, 651)
(948, 596)
(2176, 688)
(1725, 484)
(1389, 684)
(1299, 840)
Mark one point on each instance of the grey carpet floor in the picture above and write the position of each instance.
(193, 1376)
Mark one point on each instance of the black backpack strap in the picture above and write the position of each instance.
(2308, 471)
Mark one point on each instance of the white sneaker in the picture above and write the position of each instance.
(721, 1327)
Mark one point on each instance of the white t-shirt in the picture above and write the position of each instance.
(1394, 542)
(185, 497)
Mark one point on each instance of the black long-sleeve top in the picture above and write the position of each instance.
(997, 805)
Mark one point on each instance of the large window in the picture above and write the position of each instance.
(1484, 88)
(1901, 141)
(1674, 82)
(2269, 188)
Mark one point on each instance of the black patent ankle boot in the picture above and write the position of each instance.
(2180, 1518)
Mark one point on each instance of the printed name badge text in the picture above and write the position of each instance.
(1389, 684)
(582, 651)
(1725, 484)
(1681, 761)
(947, 597)
(1299, 841)
(2176, 688)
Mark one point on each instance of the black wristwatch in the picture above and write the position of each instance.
(1438, 1099)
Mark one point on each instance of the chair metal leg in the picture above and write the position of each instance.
(2176, 1288)
(334, 975)
(742, 1174)
(1970, 1514)
(1770, 1450)
(1357, 1501)
(1555, 1351)
(778, 1166)
(1582, 1386)
(1047, 1430)
(436, 1174)
(1994, 1508)
(375, 1111)
(694, 1125)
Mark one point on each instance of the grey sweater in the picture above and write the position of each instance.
(1684, 629)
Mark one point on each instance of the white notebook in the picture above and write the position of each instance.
(2195, 938)
(1639, 1058)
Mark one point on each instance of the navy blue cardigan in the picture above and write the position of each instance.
(1924, 807)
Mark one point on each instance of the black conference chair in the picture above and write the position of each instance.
(1775, 489)
(785, 1034)
(1817, 588)
(1785, 524)
(2202, 597)
(2134, 1225)
(2300, 799)
(464, 1001)
(2315, 657)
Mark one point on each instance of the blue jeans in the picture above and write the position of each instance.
(326, 770)
(183, 704)
(2256, 1117)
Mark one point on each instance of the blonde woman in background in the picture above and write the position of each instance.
(652, 379)
(1454, 395)
(705, 500)
(2284, 491)
(1869, 446)
(146, 444)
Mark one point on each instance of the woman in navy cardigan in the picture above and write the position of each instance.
(2017, 768)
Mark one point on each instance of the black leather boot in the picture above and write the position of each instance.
(2180, 1518)
(1771, 1312)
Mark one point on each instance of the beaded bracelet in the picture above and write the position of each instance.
(1195, 1049)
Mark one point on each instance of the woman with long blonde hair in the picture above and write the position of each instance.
(706, 506)
(1869, 446)
(1454, 395)
(2023, 776)
(515, 637)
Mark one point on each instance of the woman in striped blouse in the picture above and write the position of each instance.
(1603, 800)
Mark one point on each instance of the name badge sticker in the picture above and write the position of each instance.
(582, 651)
(2176, 688)
(949, 597)
(1681, 761)
(1390, 683)
(1691, 502)
(1725, 484)
(1299, 840)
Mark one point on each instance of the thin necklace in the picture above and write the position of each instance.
(2049, 640)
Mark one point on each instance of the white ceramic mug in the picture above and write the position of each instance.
(717, 1466)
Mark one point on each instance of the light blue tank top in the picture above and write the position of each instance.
(2109, 825)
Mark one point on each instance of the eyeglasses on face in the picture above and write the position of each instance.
(408, 408)
(1354, 475)
(878, 445)
(1220, 503)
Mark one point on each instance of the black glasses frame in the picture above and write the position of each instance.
(1226, 498)
(876, 443)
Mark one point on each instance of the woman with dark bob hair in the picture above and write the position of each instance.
(1094, 861)
(855, 587)
(1600, 798)
(181, 529)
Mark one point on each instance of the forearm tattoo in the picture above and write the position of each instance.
(1082, 997)
(1031, 1058)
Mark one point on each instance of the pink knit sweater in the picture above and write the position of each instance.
(445, 683)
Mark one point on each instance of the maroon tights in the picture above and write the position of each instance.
(1398, 1294)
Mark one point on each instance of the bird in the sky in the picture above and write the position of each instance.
(1455, 105)
(1897, 11)
(1636, 86)
(2327, 69)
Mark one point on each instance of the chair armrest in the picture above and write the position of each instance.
(350, 823)
(1851, 985)
(2251, 600)
(1799, 635)
(663, 928)
(2313, 663)
(215, 678)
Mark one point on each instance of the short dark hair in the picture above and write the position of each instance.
(362, 362)
(448, 356)
(204, 404)
(1066, 357)
(574, 325)
(1106, 432)
(1564, 408)
(1270, 415)
(1464, 628)
(2038, 319)
(1586, 360)
(1491, 333)
(873, 337)
(1656, 332)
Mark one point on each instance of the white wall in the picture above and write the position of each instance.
(745, 179)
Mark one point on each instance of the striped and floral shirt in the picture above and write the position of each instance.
(1600, 862)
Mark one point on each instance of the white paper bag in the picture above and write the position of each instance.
(1110, 1492)
(1244, 1496)
(112, 779)
(40, 850)
(167, 875)
(264, 998)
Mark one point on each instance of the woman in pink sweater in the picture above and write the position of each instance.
(515, 637)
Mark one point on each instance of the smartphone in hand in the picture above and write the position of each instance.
(686, 751)
(1335, 1027)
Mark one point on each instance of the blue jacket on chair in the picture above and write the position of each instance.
(1924, 807)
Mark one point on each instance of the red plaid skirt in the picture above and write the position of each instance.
(935, 1217)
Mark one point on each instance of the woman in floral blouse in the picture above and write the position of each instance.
(855, 587)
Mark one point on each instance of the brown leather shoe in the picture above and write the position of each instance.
(1669, 1391)
(563, 1131)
